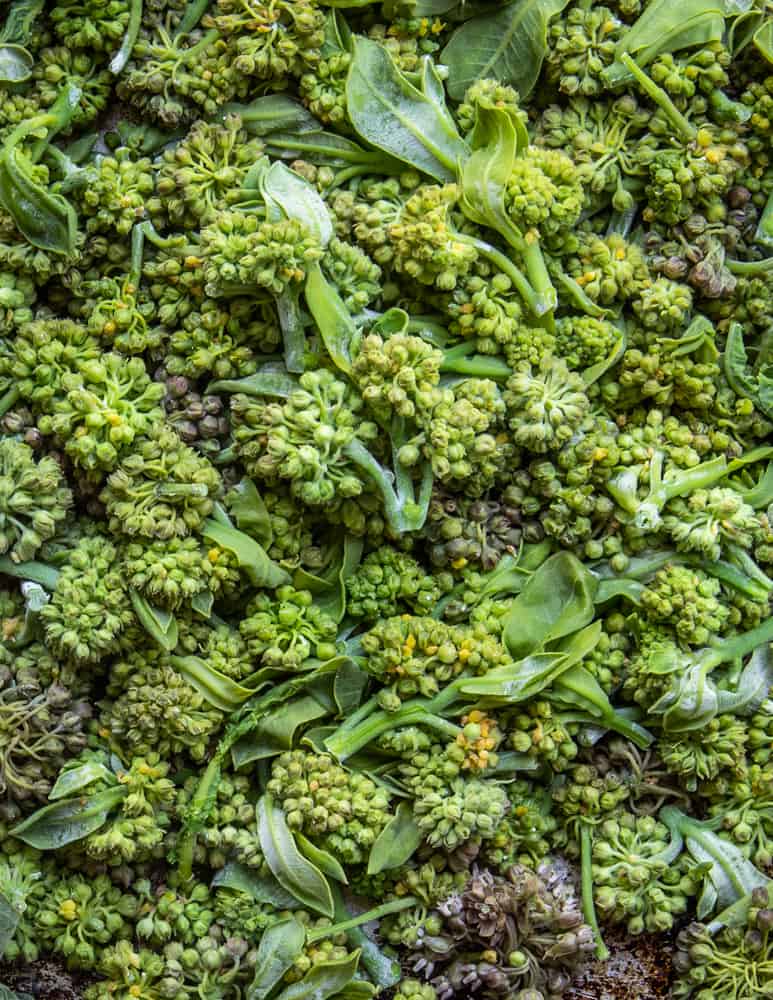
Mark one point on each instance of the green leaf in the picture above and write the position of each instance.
(75, 779)
(202, 603)
(46, 220)
(324, 860)
(276, 732)
(325, 980)
(333, 602)
(691, 701)
(594, 372)
(348, 686)
(218, 689)
(496, 141)
(64, 822)
(273, 113)
(35, 572)
(753, 685)
(299, 876)
(161, 625)
(252, 558)
(578, 688)
(250, 512)
(266, 382)
(558, 599)
(16, 64)
(666, 27)
(396, 843)
(6, 993)
(392, 114)
(298, 200)
(517, 682)
(730, 875)
(763, 39)
(334, 322)
(508, 45)
(262, 888)
(9, 921)
(280, 945)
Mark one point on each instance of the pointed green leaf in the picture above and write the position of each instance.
(556, 601)
(396, 843)
(324, 860)
(75, 779)
(280, 945)
(508, 45)
(64, 822)
(393, 115)
(325, 980)
(252, 558)
(161, 625)
(294, 872)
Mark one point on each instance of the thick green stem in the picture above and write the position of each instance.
(123, 55)
(748, 267)
(347, 739)
(546, 298)
(204, 793)
(687, 132)
(457, 360)
(395, 906)
(58, 116)
(8, 399)
(588, 906)
(739, 645)
(192, 15)
(179, 490)
(505, 265)
(402, 511)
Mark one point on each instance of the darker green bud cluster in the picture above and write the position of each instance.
(341, 811)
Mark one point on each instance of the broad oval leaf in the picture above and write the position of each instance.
(46, 220)
(280, 945)
(558, 599)
(266, 382)
(15, 64)
(276, 731)
(65, 822)
(250, 512)
(325, 980)
(77, 778)
(730, 875)
(508, 45)
(294, 872)
(496, 141)
(348, 686)
(667, 27)
(396, 842)
(298, 200)
(393, 115)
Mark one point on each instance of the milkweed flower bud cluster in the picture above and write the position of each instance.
(386, 496)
